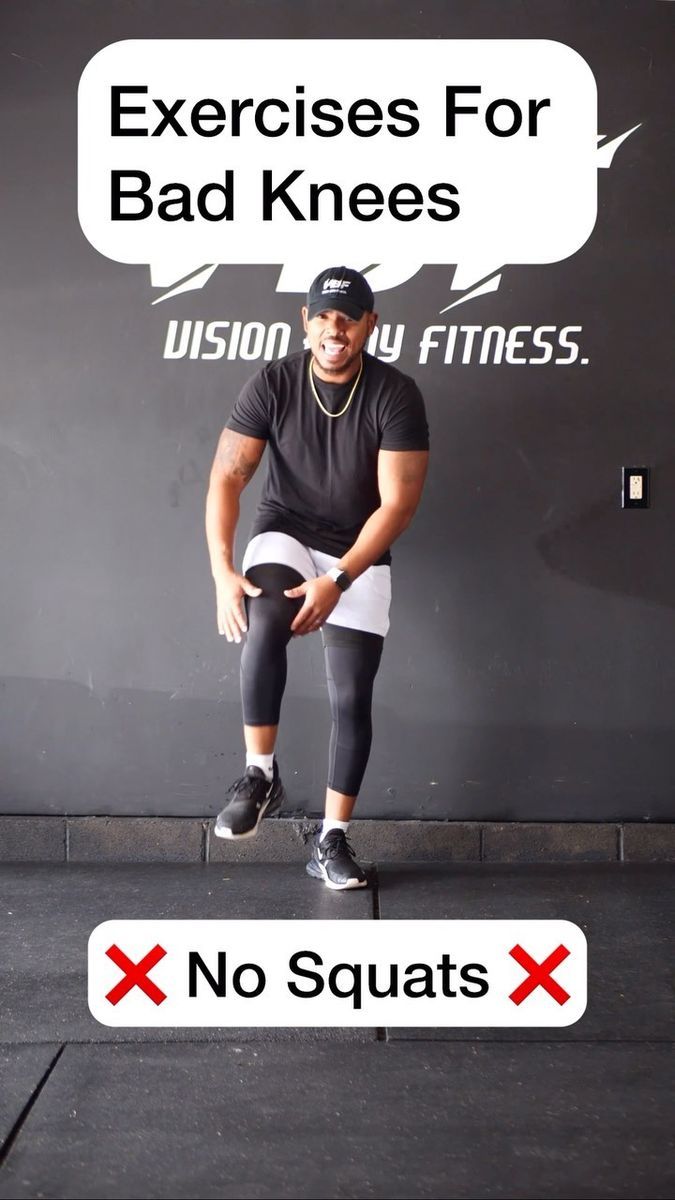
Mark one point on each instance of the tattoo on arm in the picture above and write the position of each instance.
(234, 457)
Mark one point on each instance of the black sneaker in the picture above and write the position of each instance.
(252, 798)
(333, 861)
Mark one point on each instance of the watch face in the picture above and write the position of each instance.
(341, 578)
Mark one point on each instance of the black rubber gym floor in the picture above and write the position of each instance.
(582, 1111)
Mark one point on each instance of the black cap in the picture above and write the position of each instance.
(343, 289)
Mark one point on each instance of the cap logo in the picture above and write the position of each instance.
(336, 285)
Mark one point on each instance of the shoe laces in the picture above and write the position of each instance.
(334, 842)
(248, 782)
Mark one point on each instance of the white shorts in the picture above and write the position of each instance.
(365, 605)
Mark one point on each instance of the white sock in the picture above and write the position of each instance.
(264, 761)
(329, 823)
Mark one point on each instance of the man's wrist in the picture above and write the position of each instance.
(222, 569)
(340, 578)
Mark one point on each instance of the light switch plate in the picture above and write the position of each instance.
(635, 487)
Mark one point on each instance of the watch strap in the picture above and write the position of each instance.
(340, 577)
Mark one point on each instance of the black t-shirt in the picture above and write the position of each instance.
(321, 483)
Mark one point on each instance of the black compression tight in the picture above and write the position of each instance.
(263, 658)
(352, 660)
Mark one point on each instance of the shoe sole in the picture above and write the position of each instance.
(317, 871)
(269, 807)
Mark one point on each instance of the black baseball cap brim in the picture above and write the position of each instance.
(339, 303)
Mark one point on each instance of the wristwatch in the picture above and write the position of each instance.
(340, 577)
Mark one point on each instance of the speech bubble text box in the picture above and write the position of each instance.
(352, 973)
(405, 177)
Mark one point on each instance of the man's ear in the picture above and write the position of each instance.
(372, 322)
(304, 311)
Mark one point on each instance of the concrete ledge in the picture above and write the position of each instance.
(416, 841)
(135, 839)
(555, 841)
(285, 839)
(644, 842)
(32, 839)
(277, 840)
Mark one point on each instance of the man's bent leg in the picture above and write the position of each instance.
(263, 664)
(263, 680)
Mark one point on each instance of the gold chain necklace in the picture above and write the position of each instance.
(316, 395)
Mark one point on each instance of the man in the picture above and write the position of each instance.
(348, 449)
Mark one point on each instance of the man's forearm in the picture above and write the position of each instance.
(222, 514)
(380, 530)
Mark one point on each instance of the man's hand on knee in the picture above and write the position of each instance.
(231, 587)
(320, 598)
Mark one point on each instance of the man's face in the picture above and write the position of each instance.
(336, 342)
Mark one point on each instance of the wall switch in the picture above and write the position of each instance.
(635, 487)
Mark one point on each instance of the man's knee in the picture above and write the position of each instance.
(270, 614)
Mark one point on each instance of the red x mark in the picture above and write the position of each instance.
(135, 974)
(539, 974)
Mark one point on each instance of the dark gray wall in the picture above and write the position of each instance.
(529, 672)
